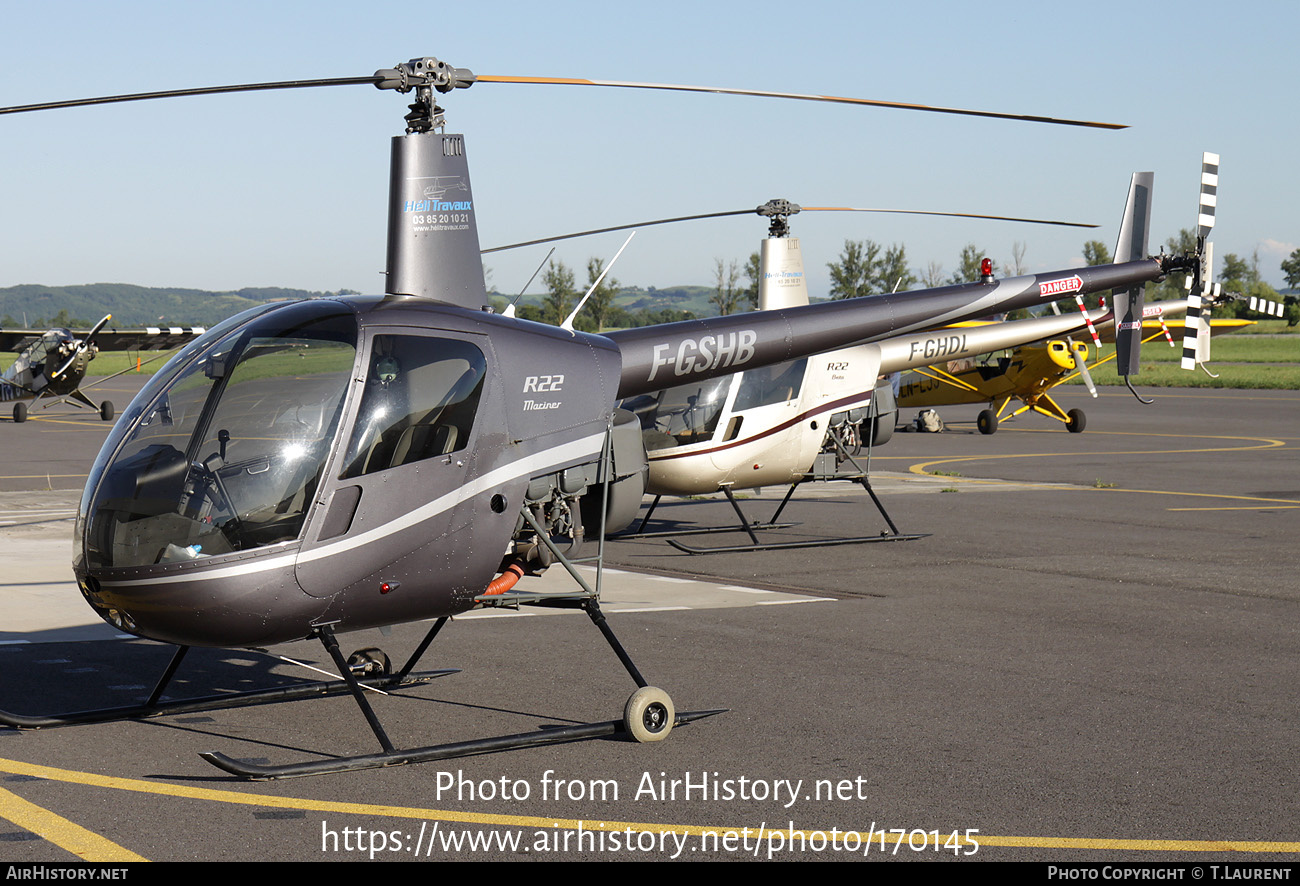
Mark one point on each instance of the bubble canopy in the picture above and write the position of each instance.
(223, 450)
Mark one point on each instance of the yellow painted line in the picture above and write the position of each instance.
(1262, 443)
(84, 844)
(1268, 503)
(1239, 394)
(1147, 845)
(39, 476)
(1256, 508)
(532, 821)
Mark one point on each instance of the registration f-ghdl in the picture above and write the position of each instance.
(308, 468)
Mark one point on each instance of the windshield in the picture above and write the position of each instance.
(228, 454)
(680, 416)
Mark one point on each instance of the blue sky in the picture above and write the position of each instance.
(289, 188)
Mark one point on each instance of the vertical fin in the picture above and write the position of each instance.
(1134, 231)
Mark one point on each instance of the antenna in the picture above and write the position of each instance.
(568, 321)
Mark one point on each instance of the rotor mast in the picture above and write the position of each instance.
(433, 246)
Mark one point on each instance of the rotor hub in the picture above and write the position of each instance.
(779, 211)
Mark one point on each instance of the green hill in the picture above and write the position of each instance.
(130, 305)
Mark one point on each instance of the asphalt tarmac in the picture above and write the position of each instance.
(1092, 657)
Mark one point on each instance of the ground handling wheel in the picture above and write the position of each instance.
(370, 662)
(649, 714)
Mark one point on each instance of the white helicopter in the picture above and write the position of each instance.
(793, 422)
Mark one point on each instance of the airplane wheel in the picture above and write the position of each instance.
(1078, 421)
(987, 421)
(106, 410)
(20, 413)
(370, 662)
(649, 714)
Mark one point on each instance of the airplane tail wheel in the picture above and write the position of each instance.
(1077, 421)
(106, 410)
(987, 421)
(649, 714)
(20, 413)
(370, 662)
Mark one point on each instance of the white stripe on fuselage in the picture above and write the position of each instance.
(533, 464)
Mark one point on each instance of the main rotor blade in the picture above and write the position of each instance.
(644, 224)
(755, 211)
(1010, 218)
(203, 90)
(377, 78)
(721, 90)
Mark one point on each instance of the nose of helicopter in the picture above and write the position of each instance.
(198, 606)
(189, 525)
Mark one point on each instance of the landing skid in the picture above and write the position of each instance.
(756, 545)
(640, 532)
(820, 473)
(648, 716)
(559, 735)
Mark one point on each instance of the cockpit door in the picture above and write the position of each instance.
(394, 504)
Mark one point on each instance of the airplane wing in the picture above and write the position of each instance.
(1175, 325)
(152, 338)
(19, 340)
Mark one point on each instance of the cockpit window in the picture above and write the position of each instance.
(682, 415)
(228, 454)
(770, 384)
(420, 400)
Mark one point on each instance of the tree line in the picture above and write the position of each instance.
(869, 268)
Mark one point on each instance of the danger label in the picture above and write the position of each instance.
(1060, 287)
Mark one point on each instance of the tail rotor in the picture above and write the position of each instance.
(1196, 329)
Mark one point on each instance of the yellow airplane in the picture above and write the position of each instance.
(1028, 372)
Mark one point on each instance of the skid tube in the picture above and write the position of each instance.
(641, 533)
(858, 476)
(392, 756)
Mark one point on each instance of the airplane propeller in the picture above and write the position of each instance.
(1081, 364)
(81, 346)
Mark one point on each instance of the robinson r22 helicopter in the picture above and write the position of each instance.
(792, 422)
(766, 426)
(312, 467)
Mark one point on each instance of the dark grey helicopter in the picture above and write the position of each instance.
(312, 467)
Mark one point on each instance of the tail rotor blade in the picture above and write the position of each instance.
(1195, 327)
(1209, 194)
